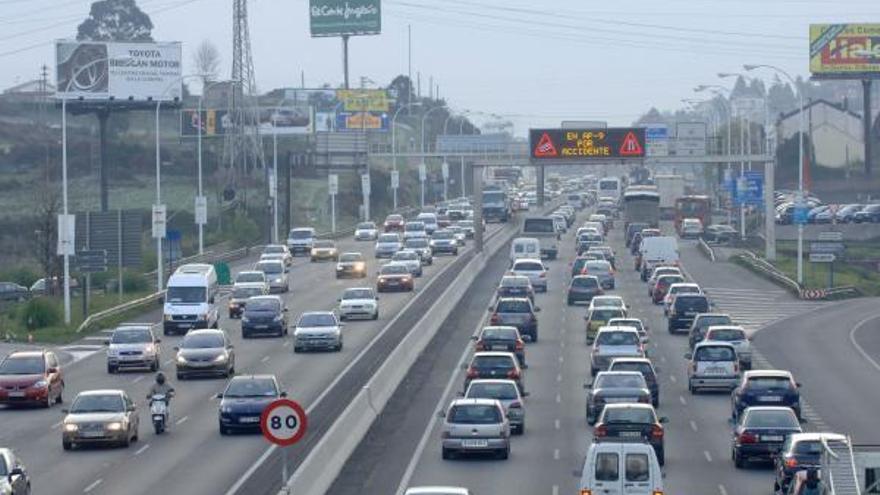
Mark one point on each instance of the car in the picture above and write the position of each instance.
(14, 479)
(691, 228)
(241, 293)
(613, 342)
(702, 322)
(761, 432)
(276, 274)
(430, 221)
(607, 254)
(393, 223)
(661, 271)
(459, 235)
(366, 231)
(601, 270)
(583, 288)
(422, 246)
(800, 452)
(847, 213)
(251, 277)
(410, 259)
(661, 287)
(508, 394)
(206, 352)
(604, 301)
(597, 317)
(870, 213)
(96, 417)
(807, 482)
(495, 364)
(679, 288)
(719, 234)
(517, 312)
(615, 387)
(644, 366)
(467, 226)
(351, 265)
(317, 330)
(766, 388)
(443, 241)
(324, 251)
(414, 230)
(475, 426)
(631, 230)
(534, 269)
(437, 490)
(501, 338)
(515, 286)
(264, 315)
(712, 365)
(133, 345)
(358, 302)
(588, 240)
(634, 244)
(635, 323)
(300, 240)
(395, 276)
(622, 422)
(387, 245)
(243, 400)
(54, 286)
(31, 378)
(624, 468)
(10, 291)
(736, 336)
(684, 309)
(279, 251)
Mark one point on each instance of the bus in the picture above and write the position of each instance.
(609, 187)
(641, 204)
(693, 207)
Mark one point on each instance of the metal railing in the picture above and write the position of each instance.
(119, 309)
(706, 249)
(767, 270)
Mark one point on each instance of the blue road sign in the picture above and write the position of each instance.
(800, 215)
(749, 189)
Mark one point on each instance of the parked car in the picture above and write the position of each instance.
(870, 213)
(475, 426)
(31, 378)
(847, 214)
(100, 417)
(10, 291)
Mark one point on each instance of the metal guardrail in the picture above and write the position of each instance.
(116, 310)
(769, 271)
(706, 249)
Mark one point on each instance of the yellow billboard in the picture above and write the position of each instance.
(842, 50)
(363, 100)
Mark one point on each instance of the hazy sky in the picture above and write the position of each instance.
(536, 61)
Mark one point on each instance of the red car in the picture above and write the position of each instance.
(31, 378)
(394, 223)
(662, 287)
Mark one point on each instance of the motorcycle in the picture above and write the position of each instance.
(159, 412)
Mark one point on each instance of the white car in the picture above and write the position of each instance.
(691, 228)
(411, 259)
(413, 230)
(359, 302)
(248, 277)
(608, 302)
(279, 250)
(534, 269)
(317, 330)
(366, 231)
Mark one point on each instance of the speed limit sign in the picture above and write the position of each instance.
(283, 422)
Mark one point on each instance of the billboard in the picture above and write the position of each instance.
(844, 50)
(96, 70)
(362, 121)
(288, 120)
(363, 100)
(587, 144)
(345, 17)
(214, 122)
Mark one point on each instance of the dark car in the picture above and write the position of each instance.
(240, 295)
(847, 213)
(702, 322)
(684, 309)
(807, 482)
(205, 353)
(495, 365)
(31, 378)
(264, 315)
(516, 312)
(14, 473)
(583, 288)
(394, 276)
(587, 241)
(633, 229)
(443, 241)
(578, 266)
(243, 401)
(10, 291)
(616, 387)
(719, 234)
(661, 287)
(799, 452)
(515, 286)
(627, 422)
(870, 213)
(394, 223)
(634, 243)
(501, 338)
(643, 366)
(766, 388)
(760, 433)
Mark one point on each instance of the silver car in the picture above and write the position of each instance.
(106, 417)
(387, 245)
(614, 342)
(411, 259)
(736, 337)
(133, 346)
(359, 302)
(422, 246)
(534, 269)
(317, 330)
(507, 393)
(366, 231)
(278, 251)
(475, 426)
(276, 274)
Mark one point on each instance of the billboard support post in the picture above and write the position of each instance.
(867, 117)
(345, 58)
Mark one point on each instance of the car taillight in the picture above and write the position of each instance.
(736, 367)
(513, 374)
(656, 432)
(479, 346)
(515, 405)
(747, 437)
(495, 319)
(646, 399)
(586, 491)
(472, 373)
(600, 431)
(543, 275)
(520, 345)
(791, 463)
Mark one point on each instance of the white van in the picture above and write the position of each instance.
(621, 468)
(189, 299)
(656, 251)
(525, 247)
(543, 229)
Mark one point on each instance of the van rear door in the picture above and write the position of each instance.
(604, 472)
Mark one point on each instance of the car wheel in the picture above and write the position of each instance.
(570, 302)
(181, 376)
(48, 402)
(446, 454)
(738, 461)
(692, 389)
(155, 366)
(126, 443)
(223, 430)
(342, 318)
(376, 315)
(111, 369)
(66, 445)
(671, 329)
(296, 350)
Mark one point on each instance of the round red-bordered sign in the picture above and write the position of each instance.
(284, 422)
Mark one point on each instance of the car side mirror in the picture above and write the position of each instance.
(219, 395)
(526, 394)
(176, 348)
(537, 309)
(230, 346)
(286, 310)
(798, 385)
(664, 420)
(16, 472)
(52, 370)
(107, 342)
(688, 356)
(283, 393)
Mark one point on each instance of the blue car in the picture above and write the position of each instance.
(766, 388)
(243, 401)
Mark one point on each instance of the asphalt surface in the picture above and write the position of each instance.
(403, 448)
(192, 457)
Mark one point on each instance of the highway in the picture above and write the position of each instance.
(403, 448)
(192, 457)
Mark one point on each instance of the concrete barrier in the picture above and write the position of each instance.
(706, 249)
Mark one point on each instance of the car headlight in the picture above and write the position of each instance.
(279, 280)
(71, 427)
(41, 384)
(112, 352)
(221, 358)
(359, 267)
(225, 409)
(181, 359)
(339, 268)
(168, 317)
(115, 426)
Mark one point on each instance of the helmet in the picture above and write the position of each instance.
(160, 378)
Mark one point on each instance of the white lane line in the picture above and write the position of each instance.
(556, 454)
(722, 490)
(167, 362)
(93, 486)
(693, 425)
(683, 401)
(182, 420)
(137, 379)
(559, 377)
(558, 398)
(57, 425)
(265, 359)
(852, 339)
(142, 449)
(556, 424)
(672, 378)
(561, 359)
(708, 455)
(555, 489)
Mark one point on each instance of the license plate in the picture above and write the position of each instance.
(249, 420)
(770, 398)
(631, 434)
(499, 347)
(16, 394)
(772, 438)
(618, 400)
(92, 434)
(474, 444)
(715, 371)
(261, 327)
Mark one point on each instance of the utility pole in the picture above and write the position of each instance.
(409, 55)
(345, 58)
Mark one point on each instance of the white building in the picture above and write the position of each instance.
(837, 132)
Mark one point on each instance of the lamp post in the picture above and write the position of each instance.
(799, 203)
(424, 120)
(68, 249)
(274, 189)
(394, 140)
(718, 90)
(205, 89)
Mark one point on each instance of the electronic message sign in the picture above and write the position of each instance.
(587, 144)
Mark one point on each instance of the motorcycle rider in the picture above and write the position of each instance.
(162, 388)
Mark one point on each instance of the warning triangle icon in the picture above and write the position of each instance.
(545, 147)
(631, 145)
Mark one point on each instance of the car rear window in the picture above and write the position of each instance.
(493, 362)
(394, 270)
(607, 466)
(643, 368)
(514, 282)
(637, 468)
(605, 314)
(708, 321)
(771, 419)
(585, 282)
(808, 447)
(726, 335)
(715, 353)
(499, 334)
(766, 382)
(494, 390)
(627, 415)
(598, 266)
(513, 306)
(621, 381)
(667, 280)
(389, 238)
(529, 266)
(691, 303)
(474, 414)
(617, 338)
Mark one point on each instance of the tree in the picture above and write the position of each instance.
(207, 62)
(401, 88)
(46, 235)
(115, 20)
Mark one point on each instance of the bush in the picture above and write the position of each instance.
(134, 282)
(40, 312)
(22, 275)
(244, 231)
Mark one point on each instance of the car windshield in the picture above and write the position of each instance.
(366, 226)
(768, 382)
(324, 245)
(250, 277)
(715, 353)
(176, 294)
(514, 282)
(528, 266)
(389, 238)
(414, 226)
(85, 404)
(585, 282)
(474, 415)
(513, 306)
(264, 305)
(628, 415)
(416, 243)
(727, 335)
(624, 322)
(300, 234)
(131, 336)
(667, 280)
(202, 341)
(598, 267)
(271, 267)
(771, 419)
(499, 334)
(443, 234)
(350, 257)
(708, 321)
(493, 362)
(251, 387)
(617, 338)
(612, 302)
(605, 314)
(500, 391)
(273, 250)
(809, 447)
(621, 381)
(317, 320)
(394, 270)
(358, 294)
(22, 365)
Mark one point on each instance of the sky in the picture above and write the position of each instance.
(534, 62)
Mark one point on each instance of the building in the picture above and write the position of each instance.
(33, 91)
(837, 132)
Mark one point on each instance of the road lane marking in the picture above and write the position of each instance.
(662, 359)
(558, 398)
(555, 489)
(559, 377)
(93, 486)
(167, 362)
(561, 359)
(682, 400)
(57, 425)
(556, 454)
(265, 359)
(693, 425)
(708, 455)
(182, 420)
(722, 489)
(142, 449)
(852, 339)
(556, 424)
(673, 379)
(137, 379)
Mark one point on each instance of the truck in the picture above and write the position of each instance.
(496, 205)
(640, 206)
(670, 187)
(543, 229)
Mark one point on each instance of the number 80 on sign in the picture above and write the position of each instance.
(283, 422)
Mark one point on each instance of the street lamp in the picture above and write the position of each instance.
(424, 120)
(799, 203)
(394, 140)
(718, 90)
